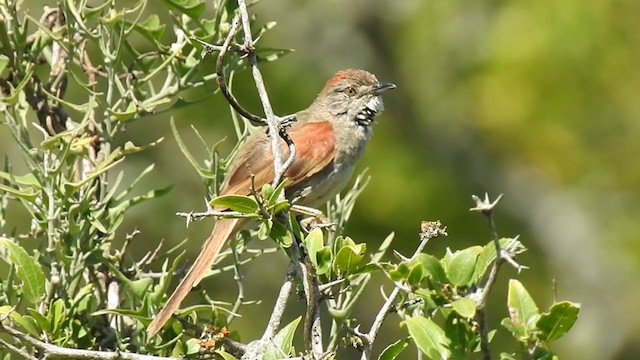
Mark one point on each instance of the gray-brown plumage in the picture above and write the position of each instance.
(329, 136)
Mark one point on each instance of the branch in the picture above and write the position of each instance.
(53, 352)
(274, 123)
(429, 230)
(485, 206)
(279, 307)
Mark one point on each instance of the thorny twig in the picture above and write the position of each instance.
(485, 206)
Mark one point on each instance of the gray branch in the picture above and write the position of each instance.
(53, 352)
(429, 230)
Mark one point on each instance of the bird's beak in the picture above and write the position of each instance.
(382, 87)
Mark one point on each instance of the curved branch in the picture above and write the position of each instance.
(222, 82)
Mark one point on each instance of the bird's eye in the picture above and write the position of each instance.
(350, 91)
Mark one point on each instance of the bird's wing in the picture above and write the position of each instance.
(315, 149)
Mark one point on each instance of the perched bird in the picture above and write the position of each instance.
(329, 136)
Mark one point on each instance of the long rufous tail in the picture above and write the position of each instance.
(222, 230)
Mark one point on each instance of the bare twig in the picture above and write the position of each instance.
(53, 352)
(23, 354)
(221, 78)
(274, 123)
(279, 307)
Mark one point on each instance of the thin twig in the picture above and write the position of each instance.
(221, 78)
(429, 230)
(237, 276)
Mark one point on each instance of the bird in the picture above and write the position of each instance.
(329, 136)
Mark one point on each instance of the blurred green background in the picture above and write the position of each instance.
(538, 100)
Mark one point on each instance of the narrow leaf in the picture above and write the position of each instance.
(240, 203)
(28, 270)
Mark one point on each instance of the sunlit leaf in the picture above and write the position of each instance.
(462, 266)
(28, 271)
(283, 341)
(191, 8)
(429, 337)
(558, 320)
(392, 351)
(465, 307)
(239, 203)
(522, 309)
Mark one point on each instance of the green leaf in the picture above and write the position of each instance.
(462, 265)
(193, 347)
(558, 320)
(191, 8)
(281, 235)
(267, 192)
(401, 272)
(432, 266)
(27, 179)
(225, 355)
(282, 343)
(239, 203)
(56, 315)
(392, 351)
(265, 229)
(202, 172)
(415, 275)
(151, 28)
(26, 322)
(505, 356)
(429, 337)
(541, 353)
(134, 314)
(4, 61)
(324, 257)
(349, 258)
(460, 335)
(522, 309)
(265, 54)
(41, 320)
(280, 207)
(140, 287)
(273, 197)
(27, 194)
(128, 113)
(314, 242)
(488, 255)
(465, 307)
(28, 270)
(427, 298)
